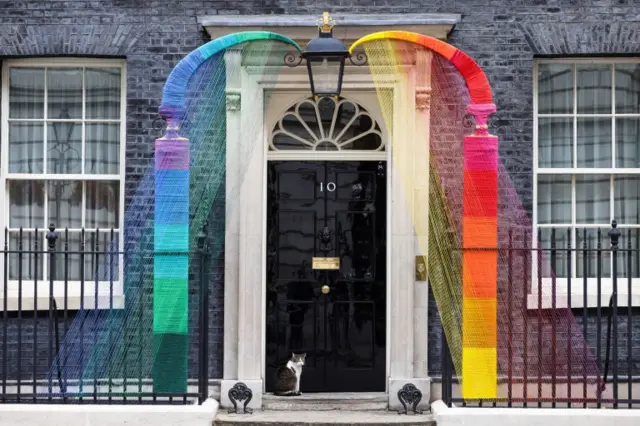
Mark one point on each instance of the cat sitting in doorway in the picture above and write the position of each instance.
(288, 376)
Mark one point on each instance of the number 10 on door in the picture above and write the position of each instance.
(331, 186)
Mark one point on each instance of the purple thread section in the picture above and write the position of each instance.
(480, 153)
(172, 154)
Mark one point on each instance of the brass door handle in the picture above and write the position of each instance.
(325, 289)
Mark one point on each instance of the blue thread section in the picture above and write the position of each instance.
(172, 197)
(171, 266)
(175, 87)
(166, 214)
(171, 238)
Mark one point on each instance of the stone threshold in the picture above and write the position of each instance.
(348, 401)
(323, 418)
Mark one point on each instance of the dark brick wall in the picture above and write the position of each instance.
(503, 36)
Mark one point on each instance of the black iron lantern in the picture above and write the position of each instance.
(63, 130)
(325, 58)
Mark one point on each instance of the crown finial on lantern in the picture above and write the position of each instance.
(326, 23)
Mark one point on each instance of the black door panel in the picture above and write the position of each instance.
(327, 209)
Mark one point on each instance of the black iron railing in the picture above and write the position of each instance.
(567, 321)
(75, 329)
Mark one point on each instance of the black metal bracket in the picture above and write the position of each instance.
(292, 59)
(358, 59)
(410, 395)
(240, 392)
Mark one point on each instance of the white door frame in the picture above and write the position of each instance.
(245, 239)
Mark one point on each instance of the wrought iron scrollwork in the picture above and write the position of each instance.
(159, 125)
(468, 121)
(495, 121)
(292, 59)
(325, 236)
(240, 392)
(358, 58)
(409, 395)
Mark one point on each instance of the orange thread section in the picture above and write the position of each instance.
(479, 273)
(480, 232)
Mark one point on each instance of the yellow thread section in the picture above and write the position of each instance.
(480, 378)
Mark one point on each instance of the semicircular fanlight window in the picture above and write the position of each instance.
(326, 124)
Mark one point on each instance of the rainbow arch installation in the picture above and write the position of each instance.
(172, 219)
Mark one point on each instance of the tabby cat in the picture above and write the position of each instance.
(288, 376)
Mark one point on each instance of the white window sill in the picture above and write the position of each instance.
(106, 299)
(577, 293)
(73, 303)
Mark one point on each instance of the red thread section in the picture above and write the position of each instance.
(479, 88)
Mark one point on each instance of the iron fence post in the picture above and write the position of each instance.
(52, 237)
(614, 235)
(203, 254)
(447, 373)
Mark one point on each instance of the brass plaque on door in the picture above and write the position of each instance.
(331, 263)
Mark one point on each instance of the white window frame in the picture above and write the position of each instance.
(577, 283)
(104, 300)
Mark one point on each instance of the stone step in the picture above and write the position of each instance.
(321, 418)
(327, 402)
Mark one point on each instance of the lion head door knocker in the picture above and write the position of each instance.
(357, 190)
(325, 236)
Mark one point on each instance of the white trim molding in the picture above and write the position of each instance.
(245, 278)
(349, 26)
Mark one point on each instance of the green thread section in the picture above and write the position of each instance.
(170, 365)
(171, 305)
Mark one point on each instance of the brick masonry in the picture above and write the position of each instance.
(503, 36)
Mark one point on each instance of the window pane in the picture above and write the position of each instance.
(64, 147)
(594, 142)
(26, 204)
(103, 93)
(627, 142)
(559, 257)
(26, 266)
(592, 198)
(65, 203)
(594, 88)
(554, 199)
(26, 146)
(590, 238)
(102, 204)
(26, 93)
(555, 89)
(102, 265)
(64, 91)
(555, 142)
(626, 192)
(629, 261)
(627, 88)
(102, 148)
(68, 266)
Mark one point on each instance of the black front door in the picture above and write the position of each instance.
(337, 316)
